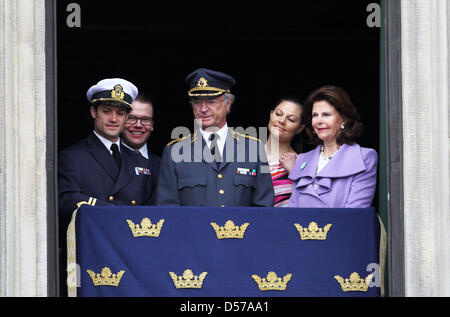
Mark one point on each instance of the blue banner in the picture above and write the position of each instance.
(224, 252)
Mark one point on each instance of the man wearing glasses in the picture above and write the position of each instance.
(135, 135)
(215, 166)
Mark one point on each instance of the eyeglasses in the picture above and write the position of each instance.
(147, 121)
(209, 102)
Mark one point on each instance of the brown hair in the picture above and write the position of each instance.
(339, 99)
(297, 140)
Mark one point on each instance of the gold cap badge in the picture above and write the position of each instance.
(117, 93)
(202, 82)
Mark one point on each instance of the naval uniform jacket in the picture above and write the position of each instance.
(347, 181)
(87, 173)
(188, 176)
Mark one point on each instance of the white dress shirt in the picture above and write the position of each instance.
(222, 133)
(143, 150)
(107, 142)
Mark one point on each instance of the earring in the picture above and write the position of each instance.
(342, 126)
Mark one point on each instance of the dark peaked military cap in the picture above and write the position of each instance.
(208, 83)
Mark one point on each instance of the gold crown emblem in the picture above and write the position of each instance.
(117, 92)
(188, 279)
(313, 232)
(106, 278)
(146, 228)
(354, 283)
(272, 282)
(202, 82)
(230, 230)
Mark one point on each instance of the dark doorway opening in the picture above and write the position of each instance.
(271, 48)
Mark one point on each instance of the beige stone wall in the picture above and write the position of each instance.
(23, 206)
(425, 89)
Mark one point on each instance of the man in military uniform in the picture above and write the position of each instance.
(99, 170)
(215, 166)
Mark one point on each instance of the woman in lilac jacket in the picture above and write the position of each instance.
(338, 173)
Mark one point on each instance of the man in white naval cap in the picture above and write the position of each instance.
(99, 170)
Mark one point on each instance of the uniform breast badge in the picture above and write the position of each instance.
(142, 171)
(230, 230)
(313, 232)
(188, 279)
(272, 282)
(146, 228)
(246, 171)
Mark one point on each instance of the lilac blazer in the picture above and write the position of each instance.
(347, 181)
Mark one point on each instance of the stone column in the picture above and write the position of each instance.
(23, 185)
(425, 72)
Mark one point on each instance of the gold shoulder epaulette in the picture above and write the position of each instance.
(194, 137)
(177, 140)
(247, 136)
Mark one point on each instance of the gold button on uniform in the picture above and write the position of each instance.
(221, 192)
(220, 176)
(133, 202)
(111, 198)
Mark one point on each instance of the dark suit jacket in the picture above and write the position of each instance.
(187, 177)
(152, 164)
(88, 173)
